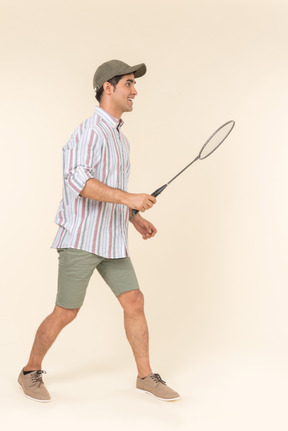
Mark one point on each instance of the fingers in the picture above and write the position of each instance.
(151, 232)
(149, 201)
(141, 202)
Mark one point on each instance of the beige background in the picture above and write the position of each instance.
(215, 277)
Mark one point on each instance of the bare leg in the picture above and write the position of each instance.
(136, 329)
(47, 334)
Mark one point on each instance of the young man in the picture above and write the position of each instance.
(93, 219)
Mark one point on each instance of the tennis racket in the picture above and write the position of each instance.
(211, 145)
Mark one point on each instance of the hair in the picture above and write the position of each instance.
(113, 81)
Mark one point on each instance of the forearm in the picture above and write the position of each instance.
(99, 191)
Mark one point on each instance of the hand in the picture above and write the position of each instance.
(140, 201)
(144, 227)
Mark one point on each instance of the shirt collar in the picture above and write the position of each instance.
(106, 116)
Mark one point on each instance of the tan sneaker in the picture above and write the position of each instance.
(33, 386)
(153, 384)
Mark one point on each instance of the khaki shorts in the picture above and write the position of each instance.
(76, 268)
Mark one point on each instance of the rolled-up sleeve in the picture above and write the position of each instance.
(80, 160)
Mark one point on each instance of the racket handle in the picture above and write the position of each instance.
(158, 191)
(155, 194)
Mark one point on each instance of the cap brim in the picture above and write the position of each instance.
(139, 70)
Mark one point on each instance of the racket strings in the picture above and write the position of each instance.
(216, 140)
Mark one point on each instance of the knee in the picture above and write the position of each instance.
(66, 315)
(133, 301)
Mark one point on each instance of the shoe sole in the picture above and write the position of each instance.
(158, 398)
(33, 399)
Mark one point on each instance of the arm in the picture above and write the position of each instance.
(99, 191)
(79, 158)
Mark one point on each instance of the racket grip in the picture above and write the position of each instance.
(158, 191)
(155, 194)
(134, 212)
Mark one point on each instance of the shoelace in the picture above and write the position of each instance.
(37, 377)
(157, 378)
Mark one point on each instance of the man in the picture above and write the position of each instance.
(93, 218)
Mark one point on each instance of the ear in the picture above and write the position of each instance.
(107, 87)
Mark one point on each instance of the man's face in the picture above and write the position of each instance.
(124, 93)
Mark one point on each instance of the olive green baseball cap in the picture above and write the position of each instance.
(114, 68)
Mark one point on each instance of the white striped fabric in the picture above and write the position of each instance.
(96, 149)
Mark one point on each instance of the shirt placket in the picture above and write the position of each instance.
(122, 185)
(121, 160)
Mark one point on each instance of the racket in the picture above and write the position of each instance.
(211, 145)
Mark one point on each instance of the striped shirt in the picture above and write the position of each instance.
(96, 149)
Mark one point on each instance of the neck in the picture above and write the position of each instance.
(112, 110)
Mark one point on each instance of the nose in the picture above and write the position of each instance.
(134, 91)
